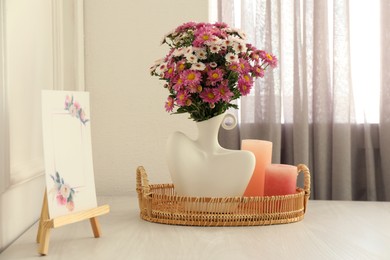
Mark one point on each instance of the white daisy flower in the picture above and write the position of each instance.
(242, 34)
(236, 40)
(229, 30)
(238, 31)
(191, 58)
(231, 57)
(215, 41)
(239, 47)
(161, 68)
(201, 54)
(213, 64)
(229, 41)
(188, 50)
(178, 52)
(198, 66)
(215, 48)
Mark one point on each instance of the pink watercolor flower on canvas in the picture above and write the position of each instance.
(70, 205)
(64, 192)
(60, 199)
(75, 110)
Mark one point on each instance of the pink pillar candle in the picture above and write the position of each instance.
(263, 153)
(280, 179)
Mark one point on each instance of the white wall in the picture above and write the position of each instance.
(26, 69)
(129, 123)
(35, 37)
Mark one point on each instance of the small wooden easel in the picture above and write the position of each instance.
(45, 224)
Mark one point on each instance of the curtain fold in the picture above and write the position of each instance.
(306, 106)
(384, 126)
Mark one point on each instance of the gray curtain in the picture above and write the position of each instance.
(306, 106)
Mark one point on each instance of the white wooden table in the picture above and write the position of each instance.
(330, 230)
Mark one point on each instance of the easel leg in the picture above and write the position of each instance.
(44, 216)
(44, 242)
(95, 226)
(43, 236)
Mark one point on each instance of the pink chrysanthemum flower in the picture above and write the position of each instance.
(170, 73)
(224, 92)
(234, 66)
(221, 25)
(185, 26)
(202, 36)
(255, 56)
(271, 60)
(192, 88)
(258, 71)
(244, 84)
(177, 84)
(209, 95)
(182, 97)
(215, 75)
(180, 66)
(202, 25)
(244, 89)
(190, 77)
(245, 67)
(169, 104)
(262, 54)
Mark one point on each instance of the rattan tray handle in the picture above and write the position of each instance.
(142, 181)
(306, 185)
(143, 190)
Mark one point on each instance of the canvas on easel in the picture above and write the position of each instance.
(70, 187)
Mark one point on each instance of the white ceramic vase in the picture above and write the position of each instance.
(202, 168)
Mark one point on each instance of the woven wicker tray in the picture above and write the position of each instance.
(159, 203)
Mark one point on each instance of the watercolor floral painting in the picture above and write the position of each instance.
(64, 192)
(67, 149)
(74, 109)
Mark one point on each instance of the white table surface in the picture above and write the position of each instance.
(330, 230)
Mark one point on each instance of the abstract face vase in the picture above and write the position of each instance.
(202, 168)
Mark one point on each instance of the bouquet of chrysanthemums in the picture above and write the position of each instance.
(207, 67)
